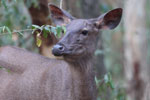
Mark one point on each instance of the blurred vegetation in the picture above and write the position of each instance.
(15, 17)
(147, 28)
(109, 90)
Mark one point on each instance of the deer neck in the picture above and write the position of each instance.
(83, 78)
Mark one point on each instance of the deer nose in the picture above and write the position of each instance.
(57, 50)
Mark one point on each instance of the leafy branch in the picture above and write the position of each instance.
(107, 84)
(107, 80)
(6, 31)
(58, 31)
(40, 31)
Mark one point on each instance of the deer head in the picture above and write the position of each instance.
(80, 38)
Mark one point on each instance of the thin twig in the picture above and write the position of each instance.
(17, 31)
(25, 30)
(61, 3)
(100, 83)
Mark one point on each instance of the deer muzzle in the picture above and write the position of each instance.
(58, 50)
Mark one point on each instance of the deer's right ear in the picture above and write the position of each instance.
(109, 20)
(59, 16)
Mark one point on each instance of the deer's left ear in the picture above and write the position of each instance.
(59, 16)
(109, 20)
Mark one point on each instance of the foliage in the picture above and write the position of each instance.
(5, 29)
(14, 16)
(45, 30)
(107, 89)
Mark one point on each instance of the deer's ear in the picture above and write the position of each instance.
(59, 16)
(109, 20)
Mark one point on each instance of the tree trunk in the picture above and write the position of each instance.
(135, 65)
(90, 8)
(72, 7)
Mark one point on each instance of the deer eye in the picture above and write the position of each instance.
(84, 32)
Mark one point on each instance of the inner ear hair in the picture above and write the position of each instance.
(99, 23)
(113, 17)
(55, 10)
(60, 16)
(109, 20)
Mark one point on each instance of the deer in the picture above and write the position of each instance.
(35, 77)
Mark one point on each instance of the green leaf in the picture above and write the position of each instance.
(42, 27)
(106, 78)
(64, 29)
(36, 27)
(4, 27)
(45, 33)
(97, 81)
(53, 30)
(59, 30)
(38, 40)
(20, 33)
(8, 30)
(112, 85)
(47, 28)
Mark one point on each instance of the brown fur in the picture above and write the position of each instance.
(41, 78)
